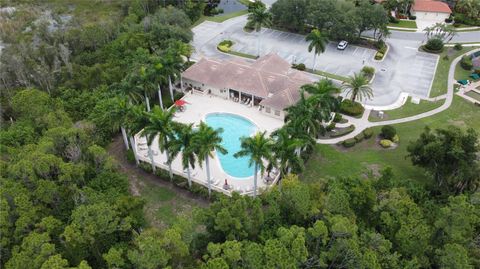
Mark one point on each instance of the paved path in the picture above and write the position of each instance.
(363, 123)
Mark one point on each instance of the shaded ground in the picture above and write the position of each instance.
(164, 201)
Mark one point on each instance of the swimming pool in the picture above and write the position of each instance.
(233, 127)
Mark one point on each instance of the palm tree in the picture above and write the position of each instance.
(172, 65)
(318, 43)
(323, 94)
(285, 151)
(183, 142)
(161, 124)
(136, 120)
(141, 80)
(259, 149)
(157, 75)
(303, 115)
(207, 140)
(358, 86)
(125, 89)
(259, 17)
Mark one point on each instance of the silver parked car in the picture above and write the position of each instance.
(342, 45)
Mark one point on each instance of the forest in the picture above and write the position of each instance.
(66, 204)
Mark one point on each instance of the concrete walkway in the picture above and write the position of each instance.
(363, 123)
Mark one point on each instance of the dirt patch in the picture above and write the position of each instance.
(135, 175)
(373, 170)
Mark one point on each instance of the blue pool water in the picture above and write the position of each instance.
(233, 127)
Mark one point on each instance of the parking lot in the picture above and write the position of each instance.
(404, 70)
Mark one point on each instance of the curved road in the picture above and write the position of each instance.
(363, 123)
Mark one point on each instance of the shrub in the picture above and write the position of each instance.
(359, 137)
(434, 44)
(145, 167)
(223, 48)
(338, 117)
(448, 20)
(349, 143)
(412, 17)
(368, 71)
(250, 26)
(367, 133)
(388, 132)
(385, 143)
(379, 55)
(331, 126)
(396, 138)
(343, 132)
(299, 66)
(351, 108)
(383, 49)
(227, 43)
(458, 47)
(477, 71)
(130, 156)
(392, 19)
(466, 62)
(380, 44)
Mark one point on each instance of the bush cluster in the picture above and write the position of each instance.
(349, 143)
(368, 71)
(379, 56)
(368, 133)
(225, 46)
(412, 17)
(299, 66)
(434, 45)
(466, 63)
(351, 108)
(338, 117)
(388, 132)
(330, 127)
(392, 19)
(458, 47)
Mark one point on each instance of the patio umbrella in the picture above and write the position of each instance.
(180, 102)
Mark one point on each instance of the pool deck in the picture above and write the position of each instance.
(196, 110)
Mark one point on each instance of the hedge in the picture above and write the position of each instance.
(349, 143)
(359, 137)
(351, 108)
(379, 55)
(368, 133)
(343, 132)
(338, 117)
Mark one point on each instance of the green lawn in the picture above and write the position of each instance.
(440, 81)
(404, 24)
(461, 74)
(162, 206)
(331, 161)
(407, 110)
(474, 95)
(326, 74)
(220, 18)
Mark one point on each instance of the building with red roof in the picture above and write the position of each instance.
(431, 11)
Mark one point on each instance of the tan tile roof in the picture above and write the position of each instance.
(269, 77)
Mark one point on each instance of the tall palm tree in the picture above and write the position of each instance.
(358, 87)
(183, 142)
(323, 94)
(123, 88)
(141, 80)
(161, 125)
(259, 17)
(207, 140)
(304, 115)
(318, 43)
(259, 149)
(172, 65)
(136, 120)
(157, 75)
(285, 151)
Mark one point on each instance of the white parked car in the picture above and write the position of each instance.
(342, 45)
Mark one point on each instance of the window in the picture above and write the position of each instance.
(277, 112)
(267, 109)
